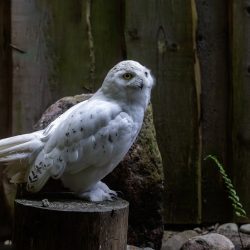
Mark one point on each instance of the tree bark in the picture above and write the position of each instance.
(70, 224)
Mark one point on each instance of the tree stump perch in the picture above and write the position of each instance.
(70, 224)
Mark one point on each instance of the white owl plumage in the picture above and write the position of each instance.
(86, 142)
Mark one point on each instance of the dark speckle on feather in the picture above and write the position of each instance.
(67, 134)
(81, 129)
(59, 159)
(110, 139)
(32, 179)
(34, 175)
(91, 116)
(38, 169)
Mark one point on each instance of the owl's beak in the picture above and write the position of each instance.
(137, 83)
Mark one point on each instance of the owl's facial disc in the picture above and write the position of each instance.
(132, 79)
(137, 82)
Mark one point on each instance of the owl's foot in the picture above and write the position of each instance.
(100, 192)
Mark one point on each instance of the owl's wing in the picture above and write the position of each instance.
(84, 127)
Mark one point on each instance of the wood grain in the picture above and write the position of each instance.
(213, 47)
(162, 37)
(60, 50)
(70, 224)
(241, 100)
(108, 36)
(66, 48)
(5, 70)
(30, 78)
(5, 102)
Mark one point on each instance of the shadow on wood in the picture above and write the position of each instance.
(70, 224)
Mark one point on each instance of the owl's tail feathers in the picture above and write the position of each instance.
(19, 147)
(17, 151)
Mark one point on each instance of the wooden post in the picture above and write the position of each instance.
(70, 224)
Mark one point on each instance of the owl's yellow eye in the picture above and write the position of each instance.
(127, 76)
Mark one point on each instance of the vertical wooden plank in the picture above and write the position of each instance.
(160, 34)
(30, 73)
(62, 49)
(213, 48)
(5, 102)
(5, 69)
(108, 35)
(68, 34)
(241, 99)
(51, 59)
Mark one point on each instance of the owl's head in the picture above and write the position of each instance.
(129, 81)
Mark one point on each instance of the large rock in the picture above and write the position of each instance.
(232, 227)
(240, 240)
(211, 241)
(245, 228)
(139, 177)
(176, 240)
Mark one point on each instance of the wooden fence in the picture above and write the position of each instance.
(199, 52)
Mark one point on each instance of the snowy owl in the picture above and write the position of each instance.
(86, 142)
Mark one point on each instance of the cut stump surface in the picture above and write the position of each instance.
(70, 224)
